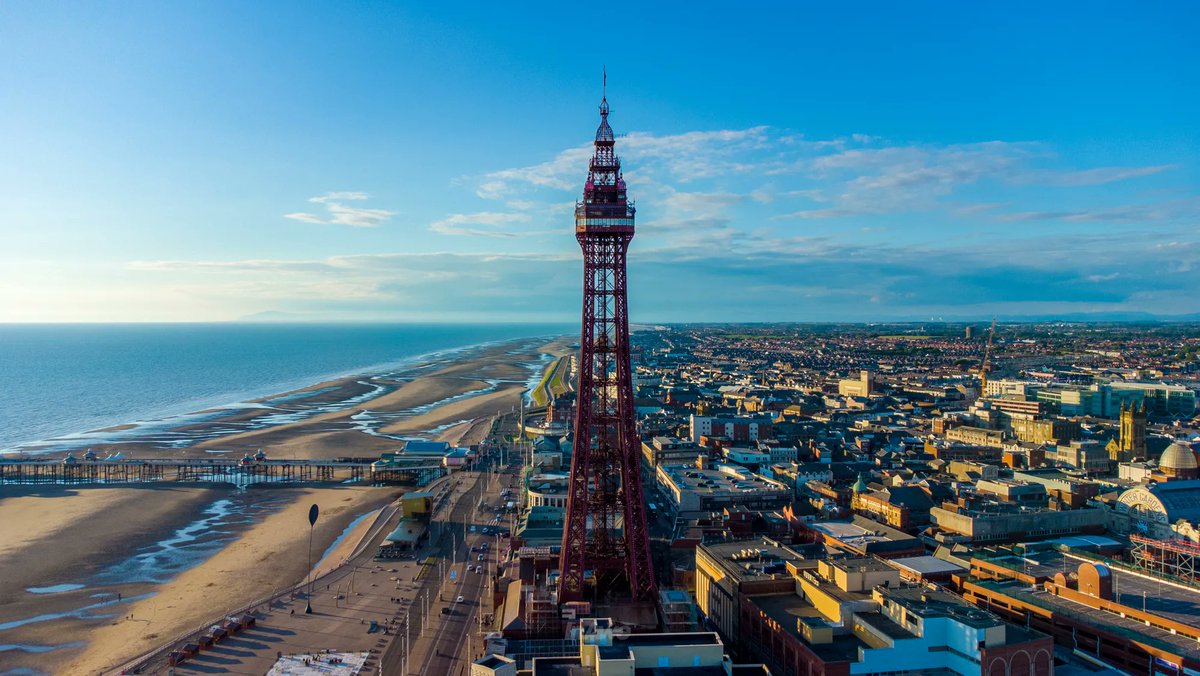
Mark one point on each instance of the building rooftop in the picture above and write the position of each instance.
(884, 625)
(750, 559)
(493, 661)
(741, 480)
(926, 565)
(929, 603)
(864, 564)
(1121, 626)
(865, 535)
(787, 609)
(1170, 600)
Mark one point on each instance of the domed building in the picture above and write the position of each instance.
(1153, 510)
(1179, 462)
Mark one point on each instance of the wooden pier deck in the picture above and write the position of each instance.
(204, 470)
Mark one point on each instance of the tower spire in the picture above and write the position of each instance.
(606, 546)
(603, 102)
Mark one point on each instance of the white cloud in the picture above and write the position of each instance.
(460, 224)
(1097, 176)
(334, 196)
(342, 214)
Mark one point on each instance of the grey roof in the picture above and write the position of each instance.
(927, 564)
(1180, 498)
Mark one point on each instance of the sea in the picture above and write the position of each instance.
(58, 380)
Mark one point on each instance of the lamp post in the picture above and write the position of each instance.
(312, 521)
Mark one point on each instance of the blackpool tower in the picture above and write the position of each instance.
(606, 545)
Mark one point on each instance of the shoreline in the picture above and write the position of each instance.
(176, 552)
(126, 432)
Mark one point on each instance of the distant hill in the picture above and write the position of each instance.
(276, 316)
(1127, 317)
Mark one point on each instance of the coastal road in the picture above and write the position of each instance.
(446, 642)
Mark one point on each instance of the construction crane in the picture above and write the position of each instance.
(985, 366)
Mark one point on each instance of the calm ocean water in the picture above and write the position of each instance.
(63, 379)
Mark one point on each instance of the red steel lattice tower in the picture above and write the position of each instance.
(605, 534)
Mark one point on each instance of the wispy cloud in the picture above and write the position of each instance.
(340, 213)
(758, 222)
(709, 263)
(1097, 176)
(480, 224)
(1170, 210)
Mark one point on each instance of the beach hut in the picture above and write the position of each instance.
(190, 649)
(232, 626)
(206, 640)
(218, 633)
(248, 620)
(176, 657)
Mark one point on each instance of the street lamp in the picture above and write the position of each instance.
(312, 521)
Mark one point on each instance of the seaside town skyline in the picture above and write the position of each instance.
(386, 464)
(217, 162)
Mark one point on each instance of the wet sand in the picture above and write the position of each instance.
(55, 535)
(270, 556)
(67, 538)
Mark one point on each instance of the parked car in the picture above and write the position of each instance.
(458, 600)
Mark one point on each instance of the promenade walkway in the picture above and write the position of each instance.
(365, 606)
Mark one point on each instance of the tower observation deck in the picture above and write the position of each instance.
(606, 545)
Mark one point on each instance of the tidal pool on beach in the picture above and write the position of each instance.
(54, 589)
(190, 545)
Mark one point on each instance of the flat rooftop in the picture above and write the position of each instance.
(847, 532)
(926, 565)
(1170, 600)
(1086, 541)
(709, 481)
(860, 565)
(865, 535)
(1044, 563)
(760, 559)
(688, 638)
(929, 603)
(1123, 626)
(714, 670)
(884, 625)
(786, 609)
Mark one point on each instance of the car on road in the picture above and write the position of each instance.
(445, 611)
(480, 558)
(472, 529)
(458, 600)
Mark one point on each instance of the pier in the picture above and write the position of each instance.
(418, 472)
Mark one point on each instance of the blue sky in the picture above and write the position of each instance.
(408, 161)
